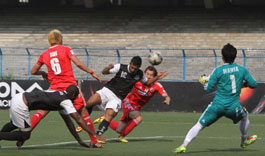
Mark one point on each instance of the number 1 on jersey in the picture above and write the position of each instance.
(232, 78)
(56, 66)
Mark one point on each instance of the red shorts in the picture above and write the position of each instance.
(127, 108)
(80, 100)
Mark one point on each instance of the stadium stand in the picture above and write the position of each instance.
(127, 28)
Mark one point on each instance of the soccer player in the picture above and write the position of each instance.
(229, 79)
(133, 102)
(60, 75)
(115, 90)
(22, 103)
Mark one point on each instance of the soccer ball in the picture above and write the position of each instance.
(155, 58)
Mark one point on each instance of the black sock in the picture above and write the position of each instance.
(8, 127)
(16, 135)
(102, 127)
(89, 110)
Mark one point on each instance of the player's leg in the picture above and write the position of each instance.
(37, 117)
(136, 119)
(8, 127)
(112, 105)
(20, 118)
(237, 113)
(109, 115)
(210, 115)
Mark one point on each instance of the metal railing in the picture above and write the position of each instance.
(182, 64)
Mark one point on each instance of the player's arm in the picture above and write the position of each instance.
(111, 69)
(81, 122)
(160, 75)
(71, 127)
(83, 67)
(208, 87)
(251, 82)
(36, 71)
(166, 98)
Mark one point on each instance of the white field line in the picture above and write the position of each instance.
(128, 138)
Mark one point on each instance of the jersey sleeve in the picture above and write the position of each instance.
(68, 107)
(251, 81)
(115, 69)
(40, 60)
(69, 52)
(160, 88)
(208, 87)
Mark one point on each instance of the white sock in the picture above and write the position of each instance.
(243, 126)
(193, 132)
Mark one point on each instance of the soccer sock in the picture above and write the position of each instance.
(130, 126)
(102, 127)
(89, 110)
(243, 126)
(36, 118)
(113, 125)
(16, 135)
(91, 126)
(193, 132)
(8, 127)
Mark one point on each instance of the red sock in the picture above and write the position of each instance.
(114, 124)
(36, 118)
(91, 126)
(130, 126)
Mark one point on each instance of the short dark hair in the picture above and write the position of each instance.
(151, 68)
(136, 60)
(72, 92)
(229, 53)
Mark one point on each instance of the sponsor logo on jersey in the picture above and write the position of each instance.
(143, 93)
(53, 54)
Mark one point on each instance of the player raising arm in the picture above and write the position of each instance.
(58, 60)
(134, 101)
(229, 79)
(22, 103)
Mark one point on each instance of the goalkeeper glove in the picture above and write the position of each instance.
(204, 79)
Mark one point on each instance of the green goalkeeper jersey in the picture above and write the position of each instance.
(229, 79)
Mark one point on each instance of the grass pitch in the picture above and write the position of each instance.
(158, 135)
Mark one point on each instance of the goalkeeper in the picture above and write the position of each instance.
(229, 79)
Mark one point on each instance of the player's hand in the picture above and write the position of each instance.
(111, 66)
(204, 79)
(83, 144)
(100, 138)
(96, 76)
(161, 75)
(167, 101)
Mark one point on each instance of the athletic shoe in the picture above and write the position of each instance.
(250, 141)
(99, 120)
(122, 139)
(78, 129)
(180, 149)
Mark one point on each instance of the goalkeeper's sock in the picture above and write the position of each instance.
(91, 126)
(36, 118)
(114, 124)
(193, 132)
(102, 127)
(130, 126)
(243, 126)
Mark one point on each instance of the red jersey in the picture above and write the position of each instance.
(58, 61)
(141, 94)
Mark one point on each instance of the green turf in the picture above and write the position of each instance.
(158, 135)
